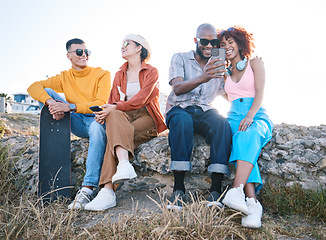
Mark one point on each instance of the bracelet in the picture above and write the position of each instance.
(250, 117)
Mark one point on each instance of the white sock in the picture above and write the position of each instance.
(87, 190)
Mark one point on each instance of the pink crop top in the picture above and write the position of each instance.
(242, 89)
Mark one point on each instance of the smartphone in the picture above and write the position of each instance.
(95, 108)
(219, 53)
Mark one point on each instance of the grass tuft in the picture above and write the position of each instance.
(24, 216)
(294, 200)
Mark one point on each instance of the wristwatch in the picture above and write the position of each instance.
(72, 107)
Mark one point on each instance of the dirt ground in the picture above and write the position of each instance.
(127, 203)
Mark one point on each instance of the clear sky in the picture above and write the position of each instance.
(289, 36)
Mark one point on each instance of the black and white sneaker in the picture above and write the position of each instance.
(176, 201)
(214, 199)
(81, 199)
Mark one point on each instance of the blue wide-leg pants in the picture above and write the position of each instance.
(247, 145)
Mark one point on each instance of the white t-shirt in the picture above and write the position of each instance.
(132, 89)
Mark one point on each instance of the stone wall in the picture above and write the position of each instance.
(295, 154)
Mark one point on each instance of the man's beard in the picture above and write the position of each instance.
(200, 53)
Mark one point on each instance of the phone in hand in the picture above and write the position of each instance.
(219, 53)
(95, 108)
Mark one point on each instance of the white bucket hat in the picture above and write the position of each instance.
(139, 39)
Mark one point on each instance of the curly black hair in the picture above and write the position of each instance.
(243, 38)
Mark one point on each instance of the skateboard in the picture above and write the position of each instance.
(54, 156)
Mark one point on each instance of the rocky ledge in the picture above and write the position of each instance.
(295, 154)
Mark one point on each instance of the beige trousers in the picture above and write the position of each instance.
(127, 130)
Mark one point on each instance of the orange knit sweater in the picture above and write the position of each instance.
(87, 87)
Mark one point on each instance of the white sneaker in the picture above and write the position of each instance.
(125, 171)
(253, 220)
(105, 199)
(235, 199)
(81, 199)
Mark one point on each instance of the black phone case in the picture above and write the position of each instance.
(95, 108)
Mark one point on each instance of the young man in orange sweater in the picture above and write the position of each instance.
(83, 87)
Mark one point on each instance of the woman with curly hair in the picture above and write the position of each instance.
(251, 127)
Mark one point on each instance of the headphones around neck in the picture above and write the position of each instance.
(240, 66)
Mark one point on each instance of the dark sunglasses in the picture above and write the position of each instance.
(205, 42)
(79, 52)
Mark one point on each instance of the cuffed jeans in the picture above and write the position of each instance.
(183, 123)
(85, 126)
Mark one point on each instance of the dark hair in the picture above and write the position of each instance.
(144, 52)
(74, 41)
(243, 38)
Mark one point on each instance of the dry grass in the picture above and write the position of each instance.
(195, 221)
(22, 124)
(23, 216)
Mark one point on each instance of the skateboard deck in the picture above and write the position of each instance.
(54, 156)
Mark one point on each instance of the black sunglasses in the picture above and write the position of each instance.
(79, 52)
(205, 42)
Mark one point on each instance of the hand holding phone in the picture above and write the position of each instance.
(95, 108)
(219, 53)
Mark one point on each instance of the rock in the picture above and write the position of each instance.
(311, 156)
(295, 157)
(279, 139)
(80, 161)
(322, 142)
(284, 147)
(308, 143)
(295, 154)
(265, 156)
(323, 164)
